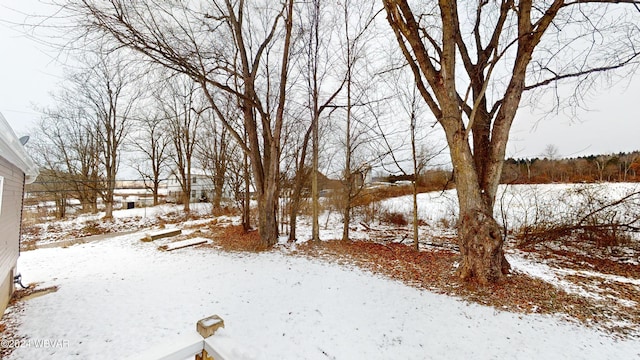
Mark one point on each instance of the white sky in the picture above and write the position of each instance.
(28, 74)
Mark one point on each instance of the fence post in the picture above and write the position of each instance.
(207, 327)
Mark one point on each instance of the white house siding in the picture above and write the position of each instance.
(201, 184)
(16, 169)
(10, 217)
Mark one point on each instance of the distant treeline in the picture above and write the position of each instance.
(614, 167)
(621, 167)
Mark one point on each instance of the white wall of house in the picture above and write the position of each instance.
(201, 187)
(16, 169)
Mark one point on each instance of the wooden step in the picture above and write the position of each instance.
(159, 234)
(183, 244)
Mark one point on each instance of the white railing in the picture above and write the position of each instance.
(201, 344)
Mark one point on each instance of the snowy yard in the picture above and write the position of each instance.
(120, 296)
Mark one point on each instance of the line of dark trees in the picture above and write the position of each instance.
(621, 167)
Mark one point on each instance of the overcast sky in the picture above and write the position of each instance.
(28, 73)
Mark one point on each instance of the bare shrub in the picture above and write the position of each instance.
(393, 218)
(370, 212)
(445, 223)
(92, 228)
(225, 211)
(602, 215)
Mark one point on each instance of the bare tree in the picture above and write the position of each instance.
(183, 110)
(550, 156)
(67, 152)
(67, 146)
(52, 186)
(319, 54)
(152, 142)
(214, 151)
(302, 174)
(107, 87)
(551, 152)
(237, 47)
(472, 66)
(420, 155)
(354, 46)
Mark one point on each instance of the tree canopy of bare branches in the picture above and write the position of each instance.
(472, 62)
(239, 48)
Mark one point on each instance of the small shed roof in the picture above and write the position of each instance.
(12, 150)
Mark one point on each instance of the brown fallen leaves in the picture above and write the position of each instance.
(611, 306)
(435, 270)
(234, 238)
(570, 259)
(9, 325)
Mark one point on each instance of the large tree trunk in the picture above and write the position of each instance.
(108, 213)
(217, 192)
(346, 217)
(267, 221)
(480, 240)
(186, 201)
(293, 219)
(268, 202)
(246, 200)
(109, 199)
(156, 186)
(479, 235)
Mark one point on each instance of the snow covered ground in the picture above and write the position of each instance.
(120, 296)
(522, 204)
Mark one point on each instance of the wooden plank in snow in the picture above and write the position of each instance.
(161, 234)
(183, 244)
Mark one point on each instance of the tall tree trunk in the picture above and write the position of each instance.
(186, 201)
(346, 216)
(299, 181)
(267, 219)
(479, 235)
(315, 190)
(416, 239)
(293, 217)
(414, 156)
(268, 196)
(246, 201)
(217, 194)
(108, 210)
(156, 185)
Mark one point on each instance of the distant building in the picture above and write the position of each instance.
(201, 187)
(16, 170)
